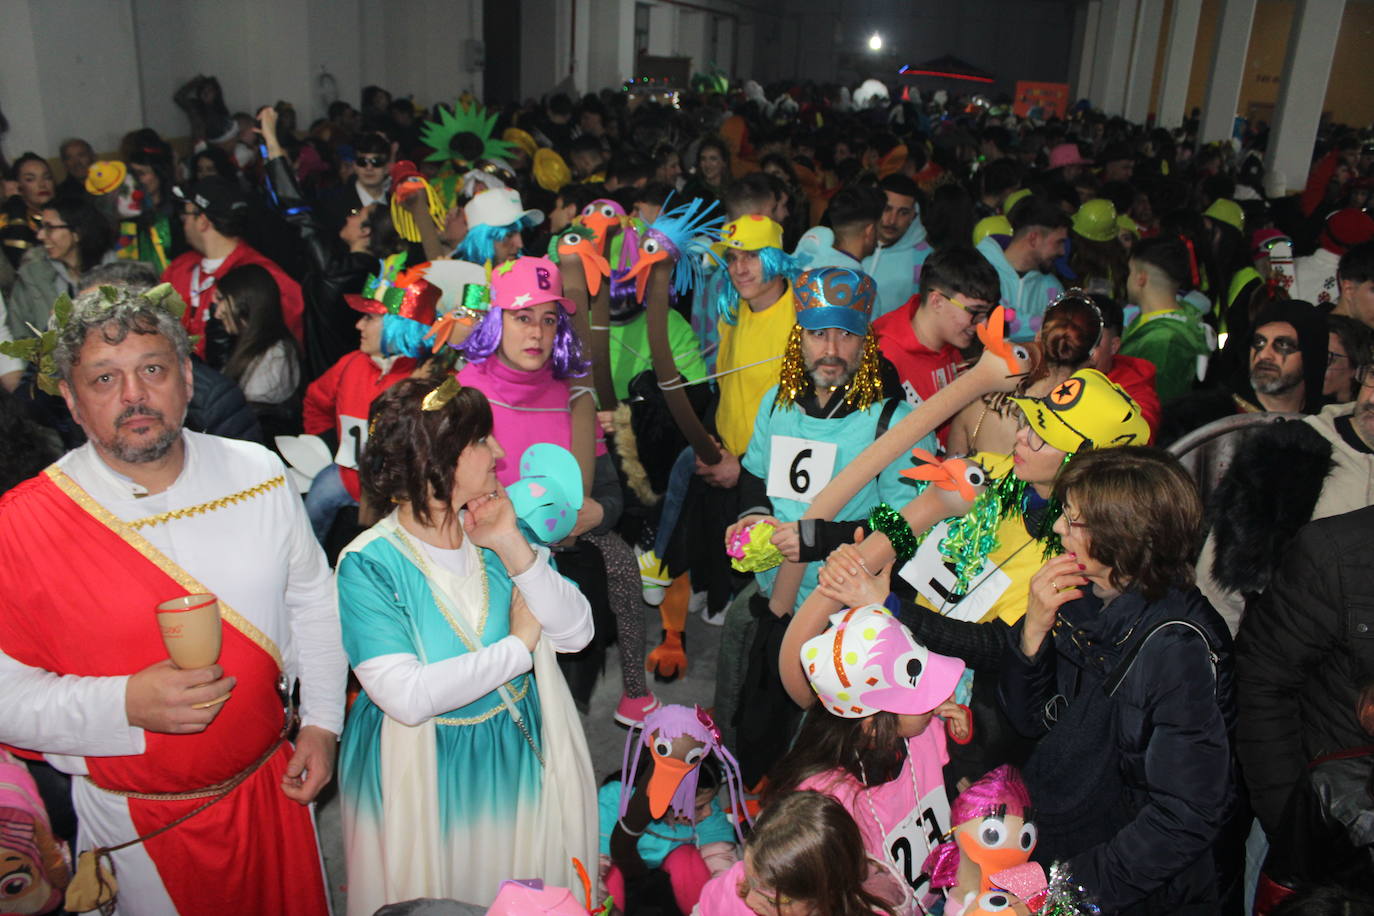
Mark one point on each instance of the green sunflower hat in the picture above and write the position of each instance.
(464, 135)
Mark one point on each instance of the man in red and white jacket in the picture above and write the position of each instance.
(924, 338)
(213, 212)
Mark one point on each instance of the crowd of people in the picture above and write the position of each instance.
(1025, 463)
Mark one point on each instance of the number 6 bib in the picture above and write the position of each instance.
(798, 469)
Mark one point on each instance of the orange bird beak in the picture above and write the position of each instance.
(594, 266)
(640, 271)
(992, 334)
(947, 475)
(600, 227)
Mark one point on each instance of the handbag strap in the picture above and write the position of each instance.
(455, 617)
(1113, 680)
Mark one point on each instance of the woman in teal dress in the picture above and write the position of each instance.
(463, 761)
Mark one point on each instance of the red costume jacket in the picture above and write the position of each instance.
(340, 400)
(198, 289)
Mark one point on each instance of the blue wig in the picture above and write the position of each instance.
(479, 245)
(568, 361)
(775, 263)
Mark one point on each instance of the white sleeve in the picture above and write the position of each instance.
(65, 714)
(556, 603)
(410, 691)
(271, 378)
(312, 603)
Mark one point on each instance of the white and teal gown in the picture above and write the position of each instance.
(444, 793)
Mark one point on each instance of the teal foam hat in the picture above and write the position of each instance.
(548, 494)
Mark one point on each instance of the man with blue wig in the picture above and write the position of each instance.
(496, 222)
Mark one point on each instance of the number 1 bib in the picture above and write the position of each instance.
(352, 438)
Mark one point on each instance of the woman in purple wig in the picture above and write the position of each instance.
(525, 357)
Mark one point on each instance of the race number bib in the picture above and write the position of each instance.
(798, 469)
(910, 842)
(933, 576)
(352, 438)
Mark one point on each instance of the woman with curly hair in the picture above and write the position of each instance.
(462, 761)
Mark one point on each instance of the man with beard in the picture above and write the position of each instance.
(1026, 267)
(187, 772)
(1280, 478)
(1286, 374)
(835, 395)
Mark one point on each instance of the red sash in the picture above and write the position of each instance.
(77, 593)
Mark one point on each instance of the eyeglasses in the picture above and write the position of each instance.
(1033, 440)
(1332, 357)
(978, 312)
(48, 227)
(1070, 521)
(1283, 346)
(372, 162)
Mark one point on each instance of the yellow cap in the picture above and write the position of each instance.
(1228, 212)
(750, 233)
(991, 225)
(1086, 410)
(105, 177)
(521, 139)
(550, 170)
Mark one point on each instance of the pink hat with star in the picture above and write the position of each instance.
(526, 282)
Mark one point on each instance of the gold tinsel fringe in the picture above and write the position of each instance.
(792, 380)
(865, 389)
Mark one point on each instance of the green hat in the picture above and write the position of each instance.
(1014, 198)
(1096, 220)
(1228, 212)
(992, 225)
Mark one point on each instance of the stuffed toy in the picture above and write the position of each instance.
(34, 865)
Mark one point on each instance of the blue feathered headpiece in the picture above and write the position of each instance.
(684, 234)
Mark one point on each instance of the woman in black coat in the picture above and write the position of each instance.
(1125, 670)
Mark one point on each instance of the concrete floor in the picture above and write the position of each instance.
(605, 738)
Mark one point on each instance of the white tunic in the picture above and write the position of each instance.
(257, 554)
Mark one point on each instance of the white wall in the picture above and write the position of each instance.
(100, 68)
(58, 80)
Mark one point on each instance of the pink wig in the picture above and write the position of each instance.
(999, 792)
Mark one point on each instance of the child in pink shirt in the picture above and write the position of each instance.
(867, 744)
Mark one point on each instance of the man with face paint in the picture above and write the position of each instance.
(1286, 373)
(1280, 478)
(835, 395)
